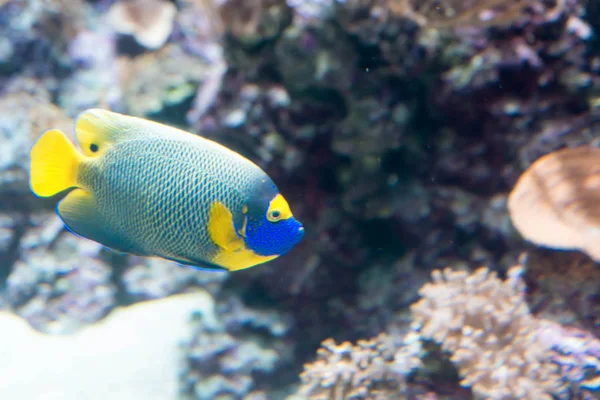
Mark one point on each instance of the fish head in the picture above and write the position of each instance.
(270, 228)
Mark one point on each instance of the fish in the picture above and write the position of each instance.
(144, 188)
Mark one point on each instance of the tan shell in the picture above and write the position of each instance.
(149, 21)
(556, 201)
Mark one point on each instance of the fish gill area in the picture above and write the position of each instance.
(396, 129)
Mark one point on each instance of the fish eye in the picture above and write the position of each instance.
(274, 215)
(93, 147)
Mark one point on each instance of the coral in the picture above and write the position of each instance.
(26, 111)
(485, 324)
(384, 294)
(311, 12)
(485, 66)
(150, 22)
(58, 285)
(371, 369)
(392, 37)
(96, 81)
(200, 30)
(395, 128)
(8, 226)
(263, 111)
(36, 33)
(255, 22)
(577, 353)
(499, 348)
(230, 356)
(312, 58)
(166, 78)
(536, 90)
(486, 13)
(153, 278)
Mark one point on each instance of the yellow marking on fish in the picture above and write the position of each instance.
(54, 164)
(240, 259)
(233, 253)
(279, 209)
(96, 130)
(221, 228)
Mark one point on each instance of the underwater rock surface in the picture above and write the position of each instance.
(395, 128)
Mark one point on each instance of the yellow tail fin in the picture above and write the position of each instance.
(54, 164)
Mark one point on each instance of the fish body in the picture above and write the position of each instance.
(145, 188)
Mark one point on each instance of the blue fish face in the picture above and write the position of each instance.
(268, 238)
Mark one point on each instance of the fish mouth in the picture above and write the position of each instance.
(295, 234)
(299, 234)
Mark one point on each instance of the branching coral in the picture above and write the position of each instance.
(371, 369)
(486, 326)
(500, 350)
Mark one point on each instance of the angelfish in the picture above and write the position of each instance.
(144, 188)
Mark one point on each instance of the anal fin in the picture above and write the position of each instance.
(80, 214)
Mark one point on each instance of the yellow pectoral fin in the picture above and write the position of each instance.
(54, 164)
(221, 228)
(241, 259)
(232, 253)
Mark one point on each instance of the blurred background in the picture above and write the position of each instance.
(396, 130)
